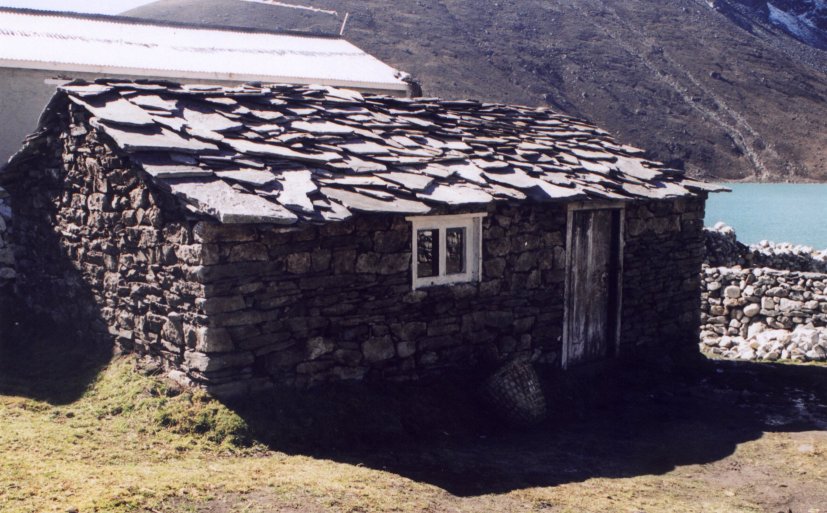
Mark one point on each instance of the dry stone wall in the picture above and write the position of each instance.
(7, 270)
(763, 313)
(335, 301)
(664, 249)
(724, 250)
(100, 250)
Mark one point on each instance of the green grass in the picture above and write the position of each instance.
(126, 442)
(92, 452)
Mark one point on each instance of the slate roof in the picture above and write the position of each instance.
(286, 154)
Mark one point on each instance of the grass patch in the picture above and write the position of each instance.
(92, 452)
(132, 443)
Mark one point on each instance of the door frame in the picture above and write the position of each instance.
(618, 302)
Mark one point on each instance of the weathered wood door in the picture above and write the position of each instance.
(592, 300)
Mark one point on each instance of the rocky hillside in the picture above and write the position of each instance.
(727, 88)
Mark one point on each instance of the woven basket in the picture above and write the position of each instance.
(515, 392)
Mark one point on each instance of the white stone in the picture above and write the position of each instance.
(706, 334)
(751, 310)
(805, 337)
(755, 328)
(767, 303)
(772, 356)
(788, 305)
(817, 354)
(746, 354)
(732, 292)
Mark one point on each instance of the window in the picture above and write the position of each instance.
(446, 249)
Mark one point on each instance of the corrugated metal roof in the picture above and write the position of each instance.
(115, 45)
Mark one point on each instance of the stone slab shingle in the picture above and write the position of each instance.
(287, 154)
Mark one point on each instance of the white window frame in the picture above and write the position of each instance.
(473, 247)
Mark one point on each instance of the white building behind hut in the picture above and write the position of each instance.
(39, 50)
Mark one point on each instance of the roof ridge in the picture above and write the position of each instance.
(130, 20)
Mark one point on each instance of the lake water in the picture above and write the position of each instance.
(794, 213)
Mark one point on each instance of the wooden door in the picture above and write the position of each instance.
(592, 300)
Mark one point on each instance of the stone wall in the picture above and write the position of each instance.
(7, 271)
(724, 250)
(664, 250)
(100, 250)
(335, 301)
(763, 313)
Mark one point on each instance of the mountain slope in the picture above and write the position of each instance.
(717, 86)
(804, 20)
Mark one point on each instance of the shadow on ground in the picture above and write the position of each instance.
(614, 423)
(45, 361)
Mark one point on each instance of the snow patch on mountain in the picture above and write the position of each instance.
(801, 26)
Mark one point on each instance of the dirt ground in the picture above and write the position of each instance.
(719, 437)
(80, 431)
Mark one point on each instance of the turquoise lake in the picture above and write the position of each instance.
(794, 213)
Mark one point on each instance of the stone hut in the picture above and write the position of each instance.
(299, 234)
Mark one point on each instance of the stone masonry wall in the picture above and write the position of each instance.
(99, 249)
(335, 301)
(763, 313)
(664, 250)
(7, 271)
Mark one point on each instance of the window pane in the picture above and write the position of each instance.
(427, 249)
(455, 251)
